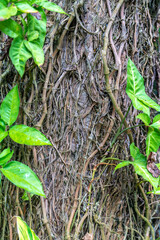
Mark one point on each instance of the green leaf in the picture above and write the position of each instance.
(156, 125)
(157, 191)
(2, 124)
(140, 166)
(136, 90)
(24, 231)
(23, 177)
(122, 164)
(4, 2)
(19, 54)
(27, 135)
(134, 151)
(144, 118)
(11, 28)
(3, 134)
(39, 26)
(5, 156)
(37, 52)
(25, 196)
(7, 12)
(152, 141)
(156, 118)
(49, 6)
(33, 36)
(25, 7)
(9, 108)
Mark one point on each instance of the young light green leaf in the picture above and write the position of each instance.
(36, 50)
(7, 12)
(25, 7)
(23, 134)
(156, 118)
(11, 28)
(24, 231)
(5, 156)
(134, 151)
(122, 164)
(144, 118)
(9, 108)
(25, 196)
(136, 90)
(19, 54)
(23, 177)
(156, 125)
(49, 6)
(152, 141)
(39, 26)
(5, 152)
(3, 134)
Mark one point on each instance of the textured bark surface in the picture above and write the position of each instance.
(67, 99)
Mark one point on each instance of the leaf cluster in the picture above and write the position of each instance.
(25, 22)
(141, 101)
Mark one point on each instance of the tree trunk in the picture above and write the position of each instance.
(69, 100)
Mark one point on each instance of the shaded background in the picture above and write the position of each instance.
(68, 101)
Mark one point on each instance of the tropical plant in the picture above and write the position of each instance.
(24, 231)
(144, 166)
(25, 22)
(16, 172)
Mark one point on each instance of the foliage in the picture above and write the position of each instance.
(18, 173)
(24, 231)
(25, 22)
(141, 101)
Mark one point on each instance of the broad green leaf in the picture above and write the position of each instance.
(23, 177)
(156, 125)
(3, 134)
(7, 12)
(23, 134)
(156, 118)
(24, 231)
(136, 90)
(5, 152)
(5, 156)
(2, 124)
(9, 108)
(140, 166)
(144, 118)
(25, 196)
(0, 177)
(11, 28)
(19, 54)
(33, 36)
(25, 7)
(39, 26)
(37, 52)
(134, 151)
(152, 141)
(49, 6)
